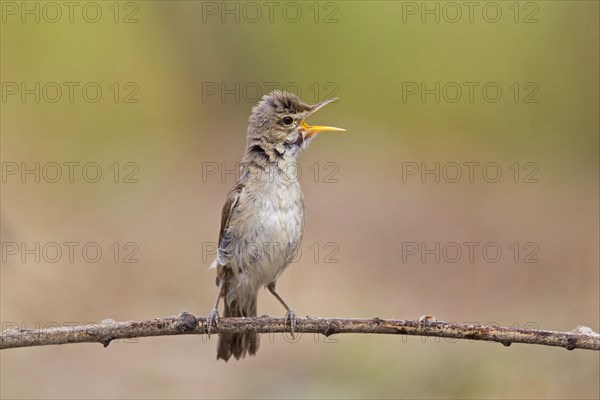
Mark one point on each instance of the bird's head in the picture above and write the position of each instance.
(277, 125)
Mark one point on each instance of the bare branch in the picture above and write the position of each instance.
(187, 324)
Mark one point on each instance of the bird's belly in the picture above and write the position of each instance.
(272, 238)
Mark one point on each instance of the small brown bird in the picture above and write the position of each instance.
(263, 218)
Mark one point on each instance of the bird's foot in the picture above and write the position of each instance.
(290, 317)
(212, 320)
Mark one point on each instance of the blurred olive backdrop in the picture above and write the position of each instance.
(169, 58)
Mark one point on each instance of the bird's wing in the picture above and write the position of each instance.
(228, 210)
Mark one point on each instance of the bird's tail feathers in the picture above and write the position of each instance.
(238, 344)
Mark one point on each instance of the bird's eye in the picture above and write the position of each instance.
(287, 120)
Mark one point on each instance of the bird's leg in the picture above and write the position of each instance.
(290, 315)
(213, 317)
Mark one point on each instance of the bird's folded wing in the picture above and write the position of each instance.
(228, 210)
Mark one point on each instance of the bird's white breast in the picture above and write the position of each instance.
(271, 233)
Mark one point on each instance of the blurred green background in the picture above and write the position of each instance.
(166, 57)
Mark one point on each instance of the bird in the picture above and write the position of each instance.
(262, 221)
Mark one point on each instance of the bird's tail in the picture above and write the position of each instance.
(240, 343)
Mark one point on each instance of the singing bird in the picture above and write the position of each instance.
(263, 217)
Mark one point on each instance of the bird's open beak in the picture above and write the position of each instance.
(311, 130)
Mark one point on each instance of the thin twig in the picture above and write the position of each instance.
(187, 324)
